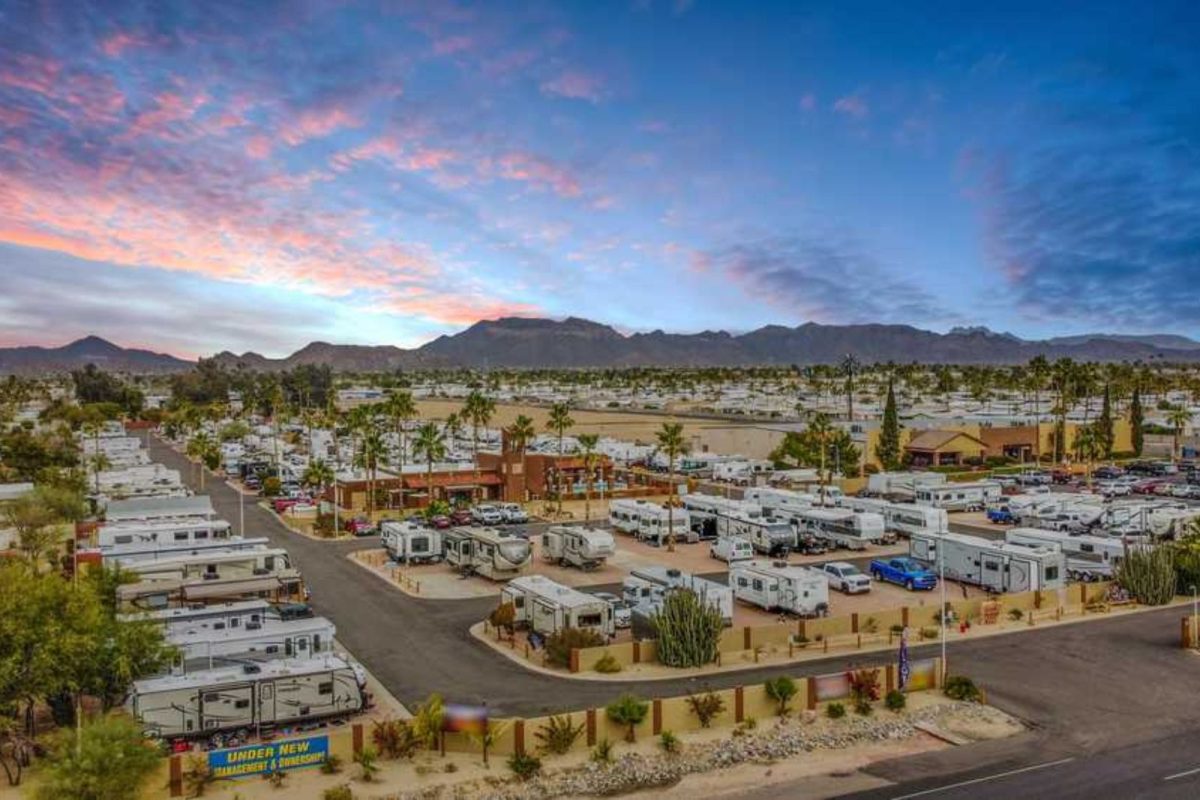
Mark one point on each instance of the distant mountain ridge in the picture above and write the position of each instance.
(522, 342)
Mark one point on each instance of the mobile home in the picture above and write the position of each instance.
(276, 693)
(548, 607)
(780, 587)
(585, 548)
(488, 552)
(996, 566)
(973, 496)
(410, 543)
(1089, 558)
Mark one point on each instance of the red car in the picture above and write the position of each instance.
(461, 516)
(282, 504)
(1146, 487)
(360, 526)
(441, 522)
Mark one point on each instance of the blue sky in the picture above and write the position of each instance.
(200, 177)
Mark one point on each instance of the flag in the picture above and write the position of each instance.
(905, 667)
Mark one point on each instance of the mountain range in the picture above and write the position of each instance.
(527, 343)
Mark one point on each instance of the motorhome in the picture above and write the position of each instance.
(623, 514)
(777, 586)
(648, 521)
(180, 531)
(160, 508)
(1089, 558)
(995, 566)
(489, 552)
(205, 647)
(648, 585)
(547, 607)
(275, 693)
(410, 542)
(902, 485)
(841, 527)
(973, 496)
(585, 548)
(129, 554)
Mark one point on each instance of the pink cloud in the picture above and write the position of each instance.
(808, 101)
(576, 85)
(119, 42)
(258, 146)
(852, 105)
(535, 169)
(654, 126)
(452, 44)
(317, 124)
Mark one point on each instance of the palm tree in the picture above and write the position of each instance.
(821, 428)
(560, 420)
(1178, 418)
(371, 448)
(850, 367)
(672, 443)
(587, 444)
(1088, 444)
(200, 447)
(1036, 377)
(521, 434)
(430, 444)
(478, 409)
(318, 475)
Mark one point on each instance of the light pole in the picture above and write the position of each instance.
(942, 585)
(1195, 608)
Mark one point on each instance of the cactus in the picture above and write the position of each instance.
(688, 630)
(1148, 574)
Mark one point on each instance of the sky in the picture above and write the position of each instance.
(196, 177)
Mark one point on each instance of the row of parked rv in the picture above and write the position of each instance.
(1079, 513)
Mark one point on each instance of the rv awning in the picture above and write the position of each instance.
(203, 591)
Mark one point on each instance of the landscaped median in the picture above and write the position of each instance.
(793, 641)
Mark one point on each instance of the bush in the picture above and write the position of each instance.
(896, 700)
(394, 738)
(960, 687)
(1015, 614)
(602, 752)
(503, 617)
(897, 629)
(1148, 575)
(607, 664)
(338, 793)
(524, 766)
(929, 633)
(870, 625)
(630, 711)
(706, 707)
(271, 487)
(332, 765)
(111, 760)
(560, 644)
(558, 735)
(688, 630)
(669, 742)
(864, 685)
(835, 711)
(323, 526)
(781, 690)
(367, 761)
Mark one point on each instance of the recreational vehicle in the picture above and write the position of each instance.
(779, 587)
(548, 607)
(730, 549)
(648, 585)
(275, 693)
(269, 637)
(708, 514)
(996, 566)
(216, 617)
(623, 514)
(840, 526)
(488, 552)
(215, 566)
(1089, 558)
(770, 536)
(165, 532)
(780, 501)
(410, 543)
(648, 521)
(129, 554)
(160, 508)
(973, 496)
(902, 485)
(902, 518)
(585, 548)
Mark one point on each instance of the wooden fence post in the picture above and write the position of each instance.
(637, 652)
(574, 659)
(175, 782)
(889, 677)
(1185, 632)
(812, 693)
(739, 704)
(591, 727)
(657, 720)
(747, 637)
(519, 737)
(904, 616)
(854, 622)
(356, 738)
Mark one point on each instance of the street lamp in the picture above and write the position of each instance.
(1195, 608)
(941, 553)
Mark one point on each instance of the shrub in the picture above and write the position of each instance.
(197, 776)
(504, 617)
(367, 761)
(781, 690)
(394, 738)
(338, 793)
(607, 664)
(558, 735)
(897, 629)
(688, 630)
(896, 700)
(929, 633)
(629, 711)
(323, 526)
(275, 777)
(864, 685)
(332, 764)
(669, 742)
(870, 625)
(706, 707)
(960, 687)
(835, 711)
(1015, 614)
(560, 644)
(426, 724)
(602, 752)
(863, 708)
(110, 758)
(524, 766)
(271, 487)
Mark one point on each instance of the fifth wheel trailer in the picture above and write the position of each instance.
(1089, 558)
(973, 496)
(488, 552)
(781, 587)
(548, 607)
(585, 548)
(995, 566)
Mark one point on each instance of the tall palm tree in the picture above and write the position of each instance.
(1088, 445)
(821, 428)
(430, 444)
(1178, 418)
(850, 367)
(560, 421)
(587, 444)
(318, 475)
(371, 449)
(1036, 376)
(521, 434)
(201, 447)
(673, 445)
(478, 409)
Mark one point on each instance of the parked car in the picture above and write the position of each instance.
(441, 522)
(361, 526)
(730, 549)
(1146, 487)
(1033, 478)
(1185, 490)
(809, 545)
(845, 577)
(1112, 488)
(622, 610)
(461, 516)
(252, 482)
(487, 515)
(513, 514)
(1165, 488)
(906, 572)
(1001, 515)
(1107, 473)
(1061, 476)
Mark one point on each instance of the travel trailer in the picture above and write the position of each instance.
(585, 548)
(488, 552)
(647, 585)
(901, 518)
(772, 536)
(902, 485)
(708, 514)
(1089, 558)
(214, 566)
(179, 531)
(840, 526)
(547, 607)
(129, 554)
(780, 501)
(996, 566)
(267, 638)
(411, 543)
(160, 508)
(287, 692)
(216, 617)
(648, 521)
(973, 496)
(730, 549)
(777, 586)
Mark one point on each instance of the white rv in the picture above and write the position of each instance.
(973, 496)
(129, 554)
(275, 693)
(771, 536)
(646, 586)
(548, 607)
(178, 531)
(585, 548)
(623, 514)
(269, 637)
(160, 508)
(779, 587)
(730, 549)
(996, 566)
(488, 552)
(708, 514)
(841, 527)
(410, 543)
(1089, 558)
(216, 566)
(902, 485)
(216, 617)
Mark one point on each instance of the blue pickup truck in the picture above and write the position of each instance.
(903, 571)
(1001, 515)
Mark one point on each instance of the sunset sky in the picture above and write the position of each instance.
(203, 176)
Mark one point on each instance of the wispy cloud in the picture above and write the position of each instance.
(576, 85)
(852, 105)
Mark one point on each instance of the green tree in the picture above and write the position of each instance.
(371, 449)
(429, 444)
(560, 421)
(478, 409)
(37, 527)
(630, 711)
(888, 449)
(401, 408)
(672, 444)
(110, 761)
(850, 367)
(587, 444)
(1137, 421)
(318, 475)
(520, 435)
(821, 445)
(1104, 425)
(1178, 418)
